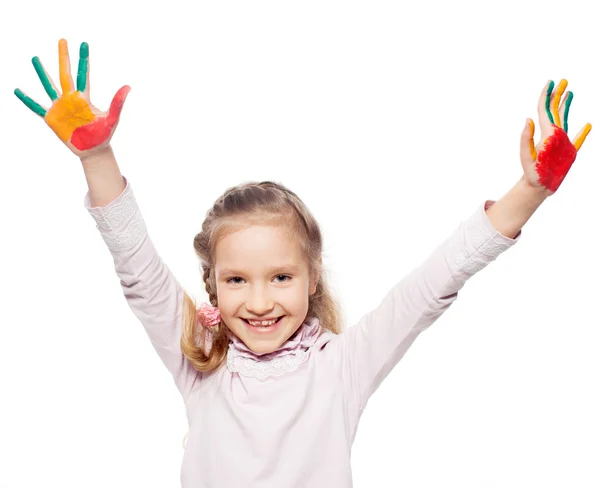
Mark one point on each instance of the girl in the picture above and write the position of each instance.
(273, 388)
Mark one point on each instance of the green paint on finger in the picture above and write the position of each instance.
(548, 94)
(39, 69)
(84, 53)
(567, 107)
(32, 105)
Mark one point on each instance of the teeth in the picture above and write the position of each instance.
(262, 323)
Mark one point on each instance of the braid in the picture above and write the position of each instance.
(212, 296)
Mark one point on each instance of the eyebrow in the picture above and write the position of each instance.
(285, 268)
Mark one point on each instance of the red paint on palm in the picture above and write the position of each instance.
(555, 159)
(92, 135)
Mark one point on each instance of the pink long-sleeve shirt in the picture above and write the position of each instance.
(288, 419)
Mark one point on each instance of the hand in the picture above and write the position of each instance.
(546, 165)
(80, 125)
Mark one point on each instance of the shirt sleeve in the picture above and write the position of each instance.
(151, 291)
(371, 348)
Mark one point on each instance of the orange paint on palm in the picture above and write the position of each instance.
(68, 113)
(579, 141)
(560, 89)
(531, 143)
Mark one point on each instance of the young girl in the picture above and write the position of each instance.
(273, 388)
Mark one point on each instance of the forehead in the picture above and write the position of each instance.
(257, 246)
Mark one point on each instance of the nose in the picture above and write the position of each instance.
(259, 302)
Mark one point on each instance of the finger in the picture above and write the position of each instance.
(527, 145)
(564, 111)
(83, 70)
(31, 104)
(114, 112)
(544, 114)
(45, 78)
(560, 89)
(64, 67)
(580, 138)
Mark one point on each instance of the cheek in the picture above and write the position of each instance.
(227, 302)
(298, 297)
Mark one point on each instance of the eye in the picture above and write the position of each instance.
(236, 280)
(282, 278)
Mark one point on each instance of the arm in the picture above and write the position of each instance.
(375, 345)
(153, 294)
(371, 349)
(151, 291)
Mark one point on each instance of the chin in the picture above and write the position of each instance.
(265, 341)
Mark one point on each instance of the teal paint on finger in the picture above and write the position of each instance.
(84, 53)
(567, 107)
(31, 104)
(39, 69)
(548, 94)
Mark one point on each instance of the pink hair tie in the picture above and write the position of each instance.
(208, 315)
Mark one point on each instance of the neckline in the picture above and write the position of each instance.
(286, 358)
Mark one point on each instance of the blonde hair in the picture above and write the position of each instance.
(238, 206)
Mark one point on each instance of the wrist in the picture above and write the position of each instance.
(535, 194)
(509, 214)
(97, 156)
(103, 176)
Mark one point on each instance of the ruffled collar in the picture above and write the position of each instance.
(286, 358)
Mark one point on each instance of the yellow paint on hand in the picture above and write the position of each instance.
(67, 114)
(581, 138)
(560, 89)
(531, 144)
(64, 67)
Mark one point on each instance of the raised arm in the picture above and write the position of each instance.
(374, 346)
(370, 349)
(153, 294)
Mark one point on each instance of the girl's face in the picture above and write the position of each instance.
(263, 284)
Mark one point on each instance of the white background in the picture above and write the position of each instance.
(393, 121)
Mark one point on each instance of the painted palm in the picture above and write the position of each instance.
(80, 125)
(547, 165)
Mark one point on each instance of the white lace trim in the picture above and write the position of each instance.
(485, 246)
(122, 241)
(113, 217)
(262, 369)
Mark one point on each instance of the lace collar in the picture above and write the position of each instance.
(288, 357)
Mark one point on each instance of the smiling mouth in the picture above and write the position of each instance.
(263, 323)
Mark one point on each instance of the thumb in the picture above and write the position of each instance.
(528, 151)
(114, 112)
